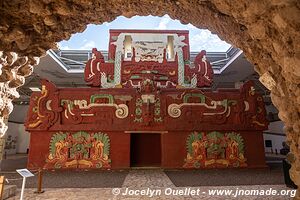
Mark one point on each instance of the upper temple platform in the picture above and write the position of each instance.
(160, 55)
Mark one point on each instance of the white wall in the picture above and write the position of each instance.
(275, 128)
(23, 137)
(19, 113)
(276, 142)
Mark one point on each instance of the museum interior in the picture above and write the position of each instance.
(147, 103)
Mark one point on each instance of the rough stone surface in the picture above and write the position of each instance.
(267, 31)
(13, 70)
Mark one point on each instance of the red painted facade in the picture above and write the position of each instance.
(147, 87)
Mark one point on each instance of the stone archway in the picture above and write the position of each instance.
(267, 31)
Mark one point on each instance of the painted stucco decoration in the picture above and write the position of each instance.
(214, 150)
(159, 51)
(148, 105)
(78, 150)
(174, 110)
(45, 107)
(201, 73)
(85, 108)
(97, 72)
(245, 107)
(54, 108)
(138, 110)
(148, 99)
(267, 32)
(149, 51)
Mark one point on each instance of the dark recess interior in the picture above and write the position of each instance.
(145, 150)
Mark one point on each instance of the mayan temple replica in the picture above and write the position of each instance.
(147, 105)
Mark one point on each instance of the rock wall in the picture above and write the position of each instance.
(267, 31)
(13, 70)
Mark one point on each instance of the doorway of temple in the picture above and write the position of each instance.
(145, 150)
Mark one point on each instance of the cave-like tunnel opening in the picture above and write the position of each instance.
(267, 32)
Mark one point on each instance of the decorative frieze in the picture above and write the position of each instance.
(78, 150)
(214, 150)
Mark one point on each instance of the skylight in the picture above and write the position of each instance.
(98, 35)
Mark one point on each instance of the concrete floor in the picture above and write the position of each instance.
(81, 185)
(156, 185)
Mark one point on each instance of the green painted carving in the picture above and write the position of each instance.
(224, 102)
(238, 138)
(103, 137)
(110, 79)
(157, 111)
(57, 137)
(100, 96)
(187, 96)
(180, 67)
(187, 62)
(117, 67)
(187, 80)
(135, 77)
(163, 78)
(214, 135)
(216, 145)
(190, 139)
(80, 149)
(139, 102)
(232, 102)
(138, 110)
(214, 149)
